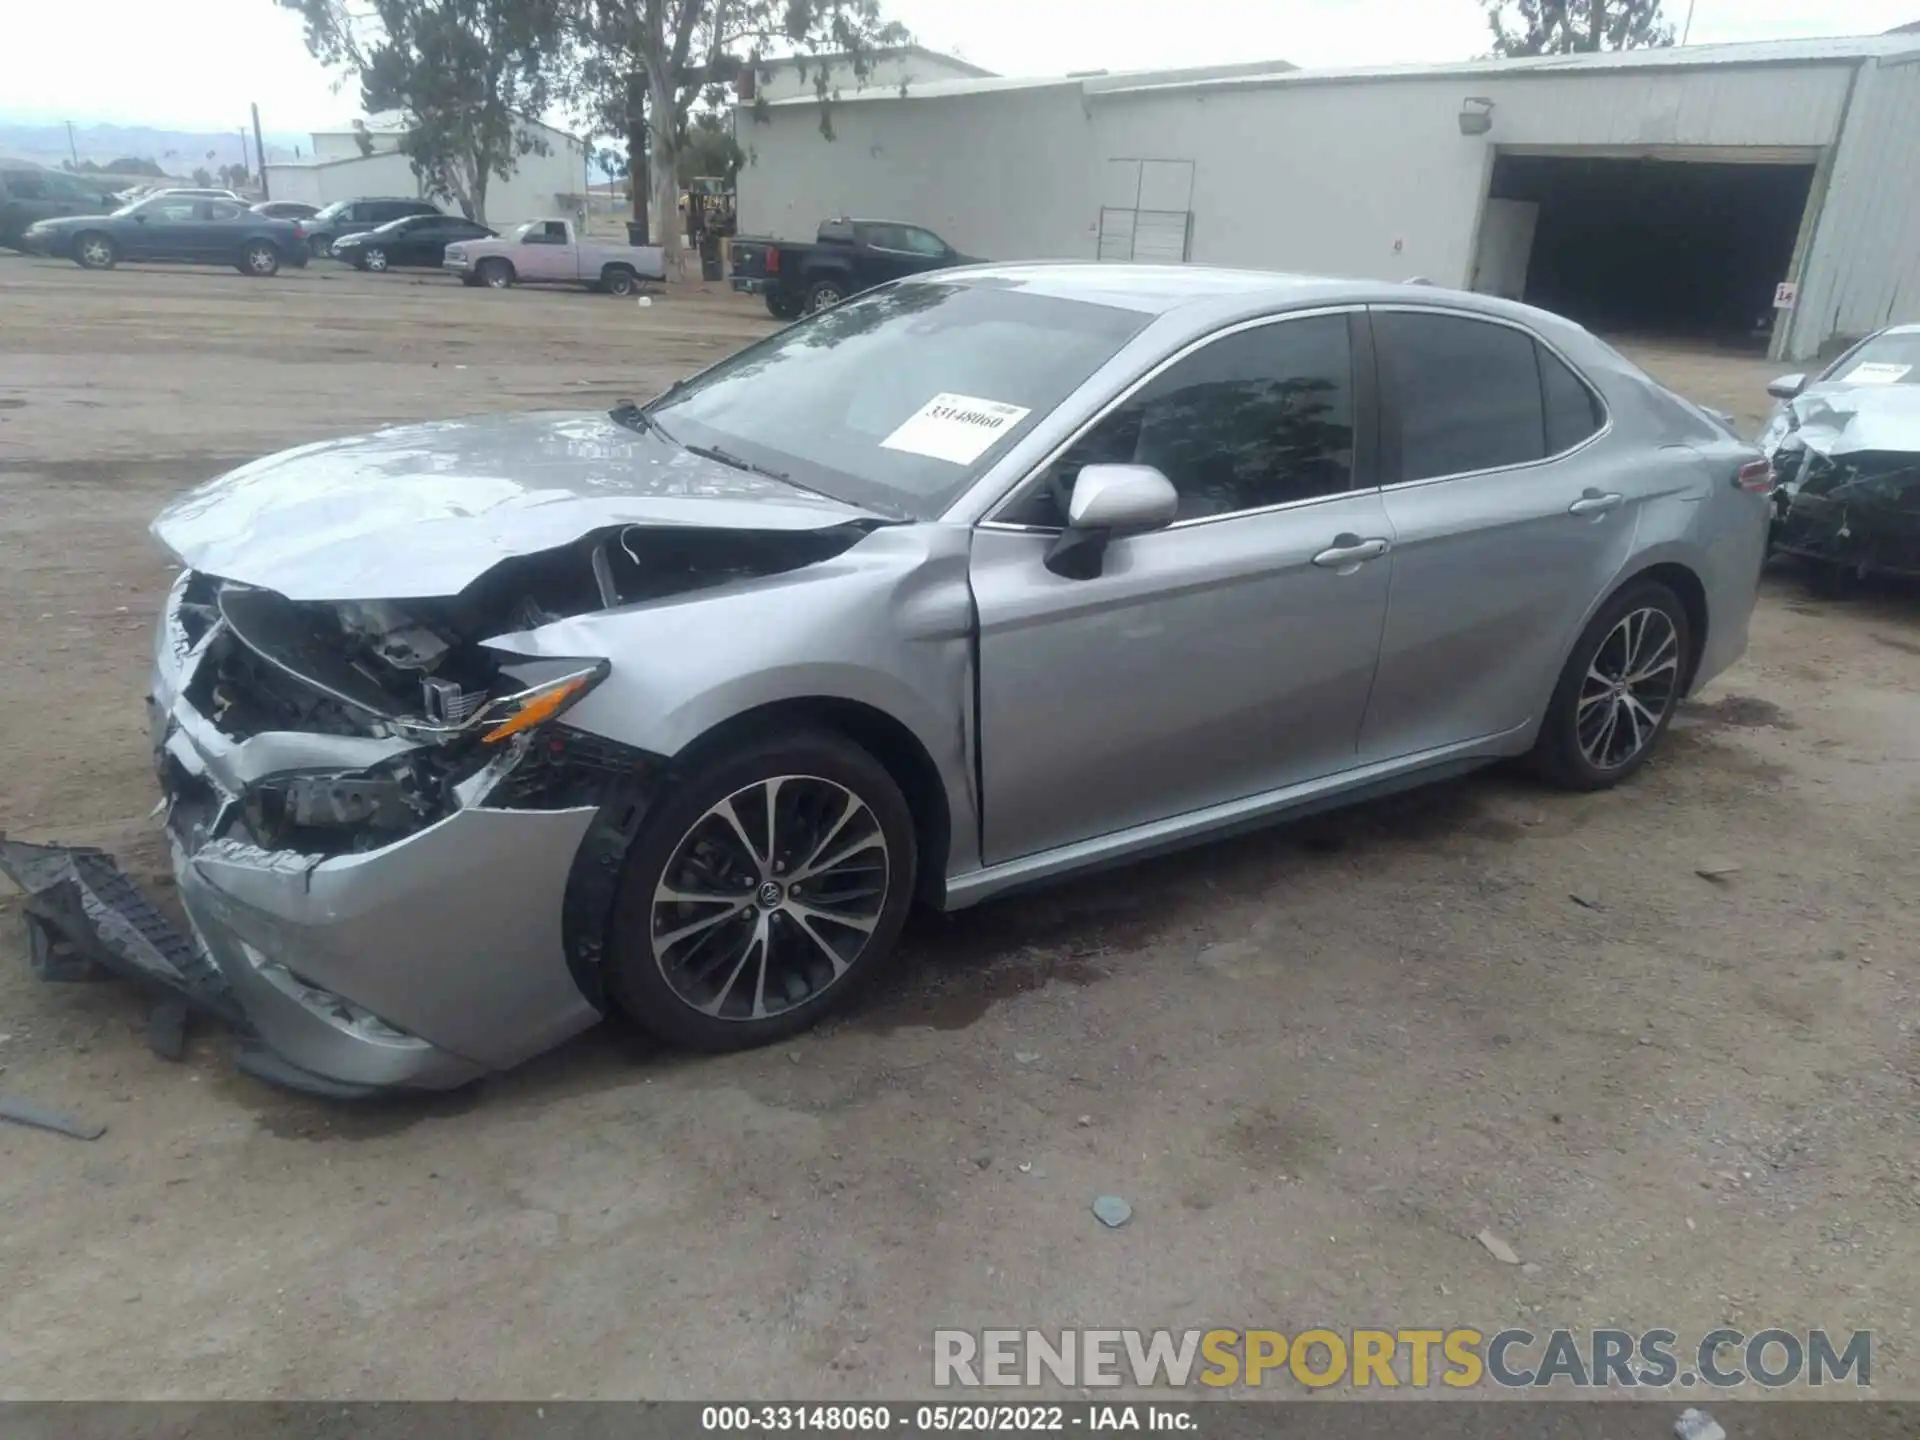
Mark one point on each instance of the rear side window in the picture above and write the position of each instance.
(25, 185)
(1469, 393)
(1573, 410)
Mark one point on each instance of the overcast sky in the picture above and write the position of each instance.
(194, 64)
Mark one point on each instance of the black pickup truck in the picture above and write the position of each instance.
(847, 257)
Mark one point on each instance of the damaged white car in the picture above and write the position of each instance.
(472, 732)
(1845, 446)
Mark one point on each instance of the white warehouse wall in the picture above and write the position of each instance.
(1308, 172)
(1863, 270)
(1004, 175)
(532, 192)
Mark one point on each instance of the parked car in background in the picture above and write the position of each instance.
(410, 240)
(848, 256)
(472, 731)
(1845, 446)
(350, 217)
(285, 209)
(171, 226)
(551, 252)
(28, 194)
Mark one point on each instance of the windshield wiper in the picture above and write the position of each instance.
(714, 452)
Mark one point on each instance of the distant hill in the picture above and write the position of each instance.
(175, 151)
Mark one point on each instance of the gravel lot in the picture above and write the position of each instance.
(1316, 1061)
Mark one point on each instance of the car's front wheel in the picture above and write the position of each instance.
(1619, 690)
(768, 885)
(495, 274)
(94, 251)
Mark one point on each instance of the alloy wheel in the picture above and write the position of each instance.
(261, 260)
(825, 299)
(770, 897)
(1630, 685)
(376, 259)
(96, 252)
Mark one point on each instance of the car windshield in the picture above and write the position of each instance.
(333, 211)
(1889, 358)
(900, 399)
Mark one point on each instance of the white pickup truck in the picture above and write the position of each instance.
(552, 252)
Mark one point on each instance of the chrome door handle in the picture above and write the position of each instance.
(1594, 503)
(1349, 551)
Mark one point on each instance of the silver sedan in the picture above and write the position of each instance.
(471, 732)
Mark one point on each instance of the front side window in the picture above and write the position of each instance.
(921, 242)
(1469, 393)
(1257, 418)
(898, 400)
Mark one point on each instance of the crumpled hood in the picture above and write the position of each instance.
(1846, 419)
(422, 511)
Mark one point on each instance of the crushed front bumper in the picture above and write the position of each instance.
(422, 963)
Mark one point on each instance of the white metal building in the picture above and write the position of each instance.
(541, 186)
(1662, 191)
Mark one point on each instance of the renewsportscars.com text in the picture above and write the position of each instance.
(1378, 1359)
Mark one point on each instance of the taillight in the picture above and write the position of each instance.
(773, 260)
(299, 231)
(1756, 477)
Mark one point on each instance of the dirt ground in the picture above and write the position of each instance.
(1316, 1061)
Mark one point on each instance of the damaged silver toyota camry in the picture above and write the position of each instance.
(471, 732)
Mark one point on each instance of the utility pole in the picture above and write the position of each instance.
(72, 149)
(1687, 29)
(260, 150)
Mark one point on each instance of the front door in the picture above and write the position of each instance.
(545, 253)
(1511, 514)
(1227, 655)
(161, 229)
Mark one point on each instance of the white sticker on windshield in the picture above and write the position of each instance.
(1876, 372)
(955, 428)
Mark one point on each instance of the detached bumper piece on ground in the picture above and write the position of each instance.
(86, 921)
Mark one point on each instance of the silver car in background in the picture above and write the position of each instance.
(473, 731)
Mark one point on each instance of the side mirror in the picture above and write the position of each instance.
(1109, 501)
(1787, 386)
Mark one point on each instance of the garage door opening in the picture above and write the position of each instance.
(1682, 249)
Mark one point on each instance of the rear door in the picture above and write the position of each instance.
(1225, 656)
(1511, 514)
(217, 237)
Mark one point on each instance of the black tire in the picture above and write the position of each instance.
(619, 280)
(782, 306)
(824, 295)
(95, 250)
(260, 258)
(810, 764)
(494, 273)
(1559, 755)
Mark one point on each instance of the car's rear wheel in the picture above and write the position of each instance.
(1619, 690)
(824, 295)
(374, 259)
(495, 274)
(95, 251)
(618, 280)
(261, 258)
(767, 887)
